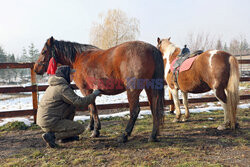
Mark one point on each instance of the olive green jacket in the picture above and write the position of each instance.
(58, 99)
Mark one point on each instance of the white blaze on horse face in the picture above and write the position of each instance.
(166, 55)
(212, 53)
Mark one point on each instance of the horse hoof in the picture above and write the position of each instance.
(222, 127)
(151, 139)
(171, 112)
(176, 120)
(237, 126)
(123, 138)
(225, 126)
(89, 128)
(184, 120)
(95, 134)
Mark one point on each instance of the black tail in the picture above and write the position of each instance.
(158, 91)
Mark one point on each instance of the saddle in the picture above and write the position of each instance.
(185, 54)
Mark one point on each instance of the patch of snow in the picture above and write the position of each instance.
(121, 114)
(19, 119)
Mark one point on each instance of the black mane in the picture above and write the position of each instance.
(70, 49)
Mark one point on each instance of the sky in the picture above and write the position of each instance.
(23, 22)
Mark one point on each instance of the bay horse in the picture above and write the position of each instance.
(126, 67)
(212, 70)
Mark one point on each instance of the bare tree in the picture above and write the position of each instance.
(203, 41)
(114, 28)
(234, 47)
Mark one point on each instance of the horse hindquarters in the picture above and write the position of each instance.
(229, 96)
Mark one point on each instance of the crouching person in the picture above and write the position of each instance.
(56, 109)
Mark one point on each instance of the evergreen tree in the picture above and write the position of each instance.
(2, 60)
(225, 48)
(24, 57)
(2, 55)
(33, 53)
(11, 58)
(219, 45)
(244, 46)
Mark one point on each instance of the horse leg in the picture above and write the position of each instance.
(176, 103)
(95, 117)
(90, 126)
(134, 107)
(221, 96)
(171, 107)
(152, 101)
(185, 102)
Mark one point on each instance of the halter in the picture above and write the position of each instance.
(52, 52)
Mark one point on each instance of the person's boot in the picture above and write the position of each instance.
(49, 138)
(69, 139)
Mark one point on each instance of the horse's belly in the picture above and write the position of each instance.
(113, 91)
(201, 88)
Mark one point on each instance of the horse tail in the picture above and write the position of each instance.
(232, 90)
(158, 90)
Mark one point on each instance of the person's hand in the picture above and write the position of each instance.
(95, 87)
(96, 91)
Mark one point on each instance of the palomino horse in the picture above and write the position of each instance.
(131, 67)
(216, 70)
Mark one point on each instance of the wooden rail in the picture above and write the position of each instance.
(34, 88)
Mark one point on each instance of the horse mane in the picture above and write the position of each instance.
(170, 50)
(70, 49)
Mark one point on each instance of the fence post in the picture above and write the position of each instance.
(34, 92)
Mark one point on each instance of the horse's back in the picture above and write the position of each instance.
(136, 58)
(208, 70)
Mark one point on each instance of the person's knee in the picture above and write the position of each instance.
(81, 128)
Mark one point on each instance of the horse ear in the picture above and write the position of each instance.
(169, 38)
(158, 40)
(51, 41)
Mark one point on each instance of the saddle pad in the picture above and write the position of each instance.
(185, 65)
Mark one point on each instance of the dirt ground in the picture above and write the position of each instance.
(193, 143)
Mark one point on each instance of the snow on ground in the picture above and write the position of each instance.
(10, 102)
(21, 103)
(211, 108)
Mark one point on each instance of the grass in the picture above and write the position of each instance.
(16, 125)
(193, 143)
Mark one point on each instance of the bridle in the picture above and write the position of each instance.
(53, 54)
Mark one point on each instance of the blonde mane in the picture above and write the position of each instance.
(170, 49)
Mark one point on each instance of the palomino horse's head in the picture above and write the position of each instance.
(47, 52)
(162, 44)
(169, 50)
(165, 46)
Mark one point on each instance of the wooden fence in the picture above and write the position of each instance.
(34, 88)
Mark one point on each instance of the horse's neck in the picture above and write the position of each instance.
(171, 54)
(63, 60)
(174, 55)
(68, 51)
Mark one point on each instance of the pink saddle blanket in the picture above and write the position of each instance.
(185, 65)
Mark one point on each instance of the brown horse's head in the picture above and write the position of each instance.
(47, 52)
